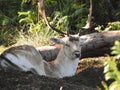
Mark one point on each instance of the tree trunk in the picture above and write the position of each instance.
(94, 44)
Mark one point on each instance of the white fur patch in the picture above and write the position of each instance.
(20, 61)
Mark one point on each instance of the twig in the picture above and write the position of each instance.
(42, 11)
(88, 22)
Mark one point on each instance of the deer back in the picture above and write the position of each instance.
(24, 57)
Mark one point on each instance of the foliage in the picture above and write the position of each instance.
(8, 11)
(6, 36)
(69, 15)
(30, 18)
(2, 48)
(111, 26)
(116, 49)
(99, 28)
(8, 21)
(106, 11)
(36, 33)
(111, 70)
(36, 39)
(62, 14)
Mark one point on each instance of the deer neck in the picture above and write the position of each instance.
(65, 65)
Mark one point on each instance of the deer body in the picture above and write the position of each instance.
(27, 58)
(63, 66)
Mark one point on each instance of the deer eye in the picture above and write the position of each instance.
(67, 45)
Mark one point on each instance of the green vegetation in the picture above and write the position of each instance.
(116, 49)
(111, 26)
(36, 39)
(7, 37)
(21, 16)
(37, 32)
(111, 70)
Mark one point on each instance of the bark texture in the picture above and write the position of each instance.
(94, 44)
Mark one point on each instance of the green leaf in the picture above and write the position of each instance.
(110, 75)
(106, 69)
(115, 85)
(116, 49)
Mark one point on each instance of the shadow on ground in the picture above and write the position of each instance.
(87, 79)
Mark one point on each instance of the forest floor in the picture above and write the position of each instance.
(89, 76)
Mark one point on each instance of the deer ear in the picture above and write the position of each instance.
(57, 41)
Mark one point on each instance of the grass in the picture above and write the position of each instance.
(36, 39)
(2, 48)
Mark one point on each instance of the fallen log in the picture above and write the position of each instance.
(95, 44)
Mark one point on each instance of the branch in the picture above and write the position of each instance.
(42, 11)
(88, 22)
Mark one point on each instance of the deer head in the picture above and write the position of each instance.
(71, 45)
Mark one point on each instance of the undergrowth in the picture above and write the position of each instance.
(111, 69)
(111, 26)
(35, 39)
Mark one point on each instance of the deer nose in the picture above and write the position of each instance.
(77, 54)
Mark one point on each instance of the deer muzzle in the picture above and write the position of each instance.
(77, 54)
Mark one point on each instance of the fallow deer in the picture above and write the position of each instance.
(27, 58)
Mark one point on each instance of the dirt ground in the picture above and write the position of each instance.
(89, 76)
